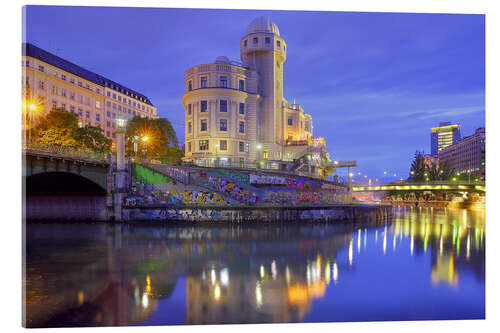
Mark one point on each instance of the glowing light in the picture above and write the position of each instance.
(287, 275)
(364, 240)
(274, 271)
(217, 292)
(350, 253)
(224, 276)
(81, 297)
(145, 300)
(412, 244)
(359, 240)
(32, 107)
(262, 271)
(441, 245)
(145, 138)
(213, 277)
(335, 272)
(384, 244)
(327, 273)
(468, 246)
(148, 285)
(258, 295)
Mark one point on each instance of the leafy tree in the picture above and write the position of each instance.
(93, 138)
(57, 128)
(421, 171)
(161, 143)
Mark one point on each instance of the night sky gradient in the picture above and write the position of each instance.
(375, 83)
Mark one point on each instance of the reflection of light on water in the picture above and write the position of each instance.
(145, 300)
(262, 271)
(412, 244)
(81, 297)
(376, 236)
(203, 276)
(468, 246)
(327, 273)
(444, 271)
(359, 240)
(148, 285)
(217, 292)
(364, 240)
(394, 243)
(350, 253)
(384, 243)
(213, 277)
(335, 273)
(258, 295)
(137, 296)
(441, 245)
(274, 270)
(287, 275)
(224, 276)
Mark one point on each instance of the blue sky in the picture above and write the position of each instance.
(375, 83)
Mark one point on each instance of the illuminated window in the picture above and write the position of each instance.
(203, 144)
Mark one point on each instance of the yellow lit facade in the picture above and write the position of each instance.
(235, 112)
(53, 82)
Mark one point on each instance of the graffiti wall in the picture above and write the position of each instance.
(288, 197)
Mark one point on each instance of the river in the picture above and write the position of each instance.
(423, 264)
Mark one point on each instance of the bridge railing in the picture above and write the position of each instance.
(64, 151)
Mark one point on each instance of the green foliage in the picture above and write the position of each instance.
(420, 171)
(60, 127)
(93, 138)
(161, 143)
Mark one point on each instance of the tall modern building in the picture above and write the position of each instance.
(468, 155)
(53, 82)
(444, 135)
(235, 111)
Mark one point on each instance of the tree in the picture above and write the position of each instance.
(57, 128)
(161, 143)
(418, 168)
(93, 138)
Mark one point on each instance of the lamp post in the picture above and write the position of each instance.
(121, 170)
(136, 145)
(145, 140)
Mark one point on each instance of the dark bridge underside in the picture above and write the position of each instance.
(54, 183)
(63, 196)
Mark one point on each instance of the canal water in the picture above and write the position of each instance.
(424, 264)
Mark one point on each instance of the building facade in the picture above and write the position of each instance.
(52, 82)
(468, 155)
(235, 112)
(444, 135)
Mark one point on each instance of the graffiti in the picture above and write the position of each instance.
(268, 180)
(287, 197)
(243, 178)
(233, 190)
(174, 198)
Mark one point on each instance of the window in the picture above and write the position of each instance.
(27, 63)
(108, 123)
(108, 94)
(54, 104)
(223, 144)
(278, 43)
(107, 134)
(278, 64)
(113, 135)
(129, 111)
(190, 127)
(190, 85)
(87, 115)
(203, 106)
(203, 82)
(119, 107)
(223, 105)
(97, 90)
(241, 147)
(242, 108)
(87, 100)
(41, 69)
(203, 144)
(114, 115)
(290, 121)
(114, 106)
(63, 92)
(63, 77)
(223, 125)
(72, 109)
(72, 95)
(244, 43)
(54, 90)
(242, 127)
(255, 40)
(41, 85)
(189, 109)
(80, 98)
(265, 154)
(120, 98)
(189, 146)
(80, 113)
(79, 83)
(247, 147)
(203, 126)
(114, 96)
(268, 40)
(97, 117)
(241, 85)
(98, 104)
(63, 106)
(223, 81)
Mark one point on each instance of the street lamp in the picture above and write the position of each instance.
(136, 145)
(144, 139)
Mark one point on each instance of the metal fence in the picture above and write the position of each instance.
(63, 151)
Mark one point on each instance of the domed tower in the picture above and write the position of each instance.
(263, 50)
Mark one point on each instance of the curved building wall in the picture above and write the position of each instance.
(220, 106)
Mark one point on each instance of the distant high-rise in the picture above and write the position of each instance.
(444, 135)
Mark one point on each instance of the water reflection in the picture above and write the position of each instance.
(103, 275)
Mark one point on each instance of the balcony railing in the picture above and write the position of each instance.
(55, 150)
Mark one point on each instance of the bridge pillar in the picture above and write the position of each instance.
(120, 188)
